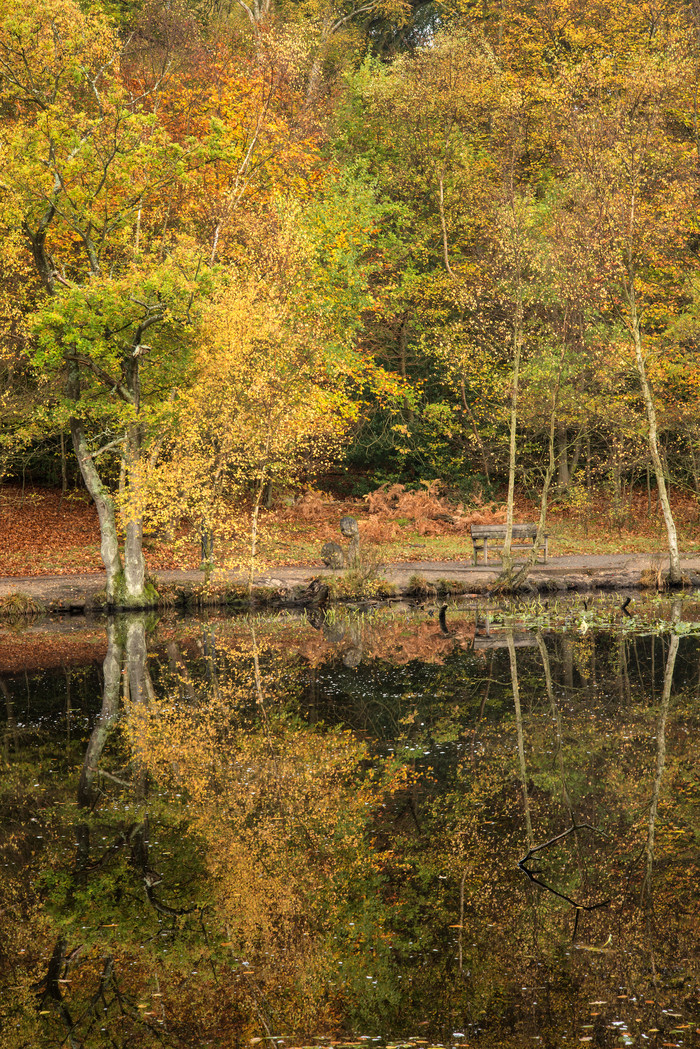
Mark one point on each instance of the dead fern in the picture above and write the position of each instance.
(430, 513)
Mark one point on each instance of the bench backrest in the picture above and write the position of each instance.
(520, 531)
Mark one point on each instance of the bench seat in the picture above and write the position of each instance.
(523, 538)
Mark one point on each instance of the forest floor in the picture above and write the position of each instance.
(43, 533)
(49, 543)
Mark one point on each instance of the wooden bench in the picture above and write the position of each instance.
(523, 538)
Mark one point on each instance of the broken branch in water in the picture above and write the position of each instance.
(562, 896)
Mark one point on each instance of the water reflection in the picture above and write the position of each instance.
(111, 690)
(288, 830)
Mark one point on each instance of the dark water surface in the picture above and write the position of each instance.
(361, 829)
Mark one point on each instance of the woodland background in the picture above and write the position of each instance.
(253, 248)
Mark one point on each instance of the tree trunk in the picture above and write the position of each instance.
(557, 726)
(576, 456)
(646, 890)
(138, 592)
(521, 575)
(402, 347)
(125, 589)
(207, 547)
(520, 736)
(674, 575)
(506, 557)
(141, 693)
(11, 727)
(139, 677)
(509, 579)
(477, 435)
(314, 82)
(64, 469)
(106, 512)
(254, 530)
(563, 476)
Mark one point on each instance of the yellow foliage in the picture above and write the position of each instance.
(282, 808)
(264, 405)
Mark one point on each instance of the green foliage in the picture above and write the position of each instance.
(341, 227)
(98, 326)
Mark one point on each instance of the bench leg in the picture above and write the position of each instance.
(486, 551)
(545, 549)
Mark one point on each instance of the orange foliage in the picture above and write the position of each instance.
(432, 514)
(313, 506)
(240, 119)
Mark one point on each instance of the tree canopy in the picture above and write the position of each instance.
(489, 204)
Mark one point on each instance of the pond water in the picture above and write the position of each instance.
(372, 828)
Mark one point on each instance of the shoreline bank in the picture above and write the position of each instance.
(310, 585)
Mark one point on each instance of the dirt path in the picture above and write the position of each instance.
(617, 571)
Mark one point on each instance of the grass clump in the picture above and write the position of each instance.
(356, 585)
(451, 588)
(418, 586)
(18, 605)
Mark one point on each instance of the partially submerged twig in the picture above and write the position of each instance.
(562, 896)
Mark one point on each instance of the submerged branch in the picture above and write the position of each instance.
(532, 874)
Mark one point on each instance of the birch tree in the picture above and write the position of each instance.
(631, 171)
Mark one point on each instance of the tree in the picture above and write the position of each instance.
(632, 179)
(125, 182)
(85, 163)
(262, 410)
(275, 367)
(422, 128)
(21, 390)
